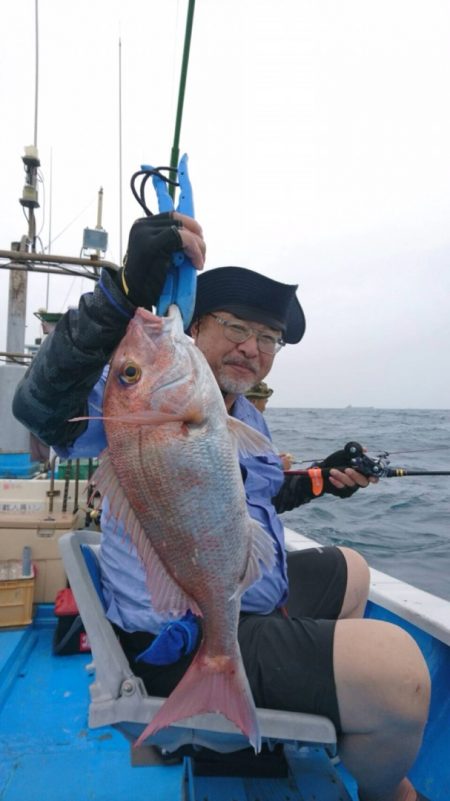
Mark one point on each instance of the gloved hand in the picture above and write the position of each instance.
(341, 459)
(299, 489)
(336, 459)
(151, 243)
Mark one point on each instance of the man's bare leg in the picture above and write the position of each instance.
(383, 691)
(358, 580)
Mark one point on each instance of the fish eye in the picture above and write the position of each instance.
(130, 373)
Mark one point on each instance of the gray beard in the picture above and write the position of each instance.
(234, 387)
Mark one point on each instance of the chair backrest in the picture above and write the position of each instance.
(119, 698)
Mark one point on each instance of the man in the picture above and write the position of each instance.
(306, 649)
(259, 394)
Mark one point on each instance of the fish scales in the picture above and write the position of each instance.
(172, 471)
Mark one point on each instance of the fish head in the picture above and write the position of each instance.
(158, 370)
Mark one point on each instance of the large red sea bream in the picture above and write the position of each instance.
(172, 475)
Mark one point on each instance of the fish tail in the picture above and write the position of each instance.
(211, 684)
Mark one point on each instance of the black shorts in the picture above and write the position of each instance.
(288, 658)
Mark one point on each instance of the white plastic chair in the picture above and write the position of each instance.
(119, 698)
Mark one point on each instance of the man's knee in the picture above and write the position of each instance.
(358, 582)
(410, 684)
(381, 677)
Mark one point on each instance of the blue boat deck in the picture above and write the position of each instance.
(48, 752)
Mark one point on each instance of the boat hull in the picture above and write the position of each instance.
(48, 751)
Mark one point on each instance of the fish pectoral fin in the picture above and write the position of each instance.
(166, 595)
(150, 418)
(262, 552)
(249, 441)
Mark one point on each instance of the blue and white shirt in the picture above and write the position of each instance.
(128, 600)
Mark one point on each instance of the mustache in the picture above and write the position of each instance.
(240, 363)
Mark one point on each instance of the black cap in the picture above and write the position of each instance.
(251, 296)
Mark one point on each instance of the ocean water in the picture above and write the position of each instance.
(400, 525)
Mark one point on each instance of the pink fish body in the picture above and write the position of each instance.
(172, 476)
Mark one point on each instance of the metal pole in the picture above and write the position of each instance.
(33, 170)
(49, 246)
(17, 309)
(17, 306)
(175, 153)
(36, 84)
(42, 258)
(100, 207)
(99, 214)
(18, 280)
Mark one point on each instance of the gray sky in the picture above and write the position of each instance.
(318, 135)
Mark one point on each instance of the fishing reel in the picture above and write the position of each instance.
(377, 466)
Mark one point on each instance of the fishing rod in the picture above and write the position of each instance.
(173, 179)
(175, 152)
(376, 466)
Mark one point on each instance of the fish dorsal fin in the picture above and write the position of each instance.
(249, 442)
(166, 595)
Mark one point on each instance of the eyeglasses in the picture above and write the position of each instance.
(238, 333)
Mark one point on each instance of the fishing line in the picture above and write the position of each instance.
(383, 453)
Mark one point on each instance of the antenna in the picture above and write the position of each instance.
(18, 280)
(36, 79)
(49, 246)
(120, 154)
(29, 199)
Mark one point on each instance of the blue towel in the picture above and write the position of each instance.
(175, 640)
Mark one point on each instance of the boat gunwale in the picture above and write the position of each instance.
(428, 612)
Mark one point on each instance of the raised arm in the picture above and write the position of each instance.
(69, 363)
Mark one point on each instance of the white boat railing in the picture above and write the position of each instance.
(426, 611)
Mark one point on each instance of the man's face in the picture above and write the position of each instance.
(236, 366)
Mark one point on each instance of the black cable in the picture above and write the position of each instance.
(145, 175)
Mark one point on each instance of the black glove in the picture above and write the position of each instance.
(298, 489)
(294, 492)
(340, 459)
(151, 243)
